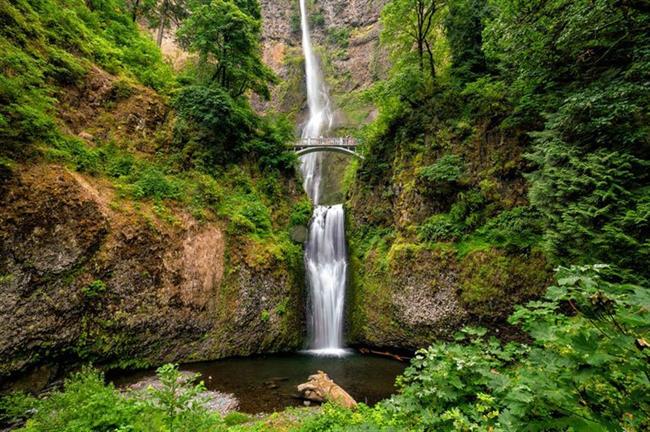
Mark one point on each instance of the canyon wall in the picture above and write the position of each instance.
(346, 37)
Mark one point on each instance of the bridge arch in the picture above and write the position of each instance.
(342, 145)
(333, 149)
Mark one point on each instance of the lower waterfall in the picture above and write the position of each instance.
(326, 269)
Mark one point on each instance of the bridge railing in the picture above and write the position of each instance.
(327, 141)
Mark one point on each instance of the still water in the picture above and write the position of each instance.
(268, 383)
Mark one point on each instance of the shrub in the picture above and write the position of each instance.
(317, 19)
(301, 213)
(94, 289)
(519, 228)
(439, 227)
(583, 370)
(152, 183)
(339, 36)
(447, 169)
(86, 403)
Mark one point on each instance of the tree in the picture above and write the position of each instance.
(140, 7)
(464, 31)
(160, 14)
(409, 25)
(578, 73)
(226, 38)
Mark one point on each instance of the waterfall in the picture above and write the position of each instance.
(325, 252)
(320, 114)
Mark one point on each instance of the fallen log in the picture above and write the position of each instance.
(367, 351)
(321, 388)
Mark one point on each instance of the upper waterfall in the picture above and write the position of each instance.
(320, 118)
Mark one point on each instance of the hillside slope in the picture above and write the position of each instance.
(116, 247)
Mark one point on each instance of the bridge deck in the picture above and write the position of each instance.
(346, 142)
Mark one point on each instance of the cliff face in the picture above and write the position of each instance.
(346, 37)
(415, 277)
(87, 273)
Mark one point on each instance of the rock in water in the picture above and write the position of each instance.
(321, 388)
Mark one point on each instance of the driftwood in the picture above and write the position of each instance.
(321, 388)
(384, 354)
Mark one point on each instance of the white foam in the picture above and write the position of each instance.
(329, 352)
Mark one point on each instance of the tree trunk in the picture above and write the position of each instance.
(162, 23)
(432, 63)
(134, 12)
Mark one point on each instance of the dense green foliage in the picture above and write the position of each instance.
(49, 46)
(563, 83)
(522, 128)
(46, 45)
(217, 125)
(226, 37)
(586, 77)
(87, 403)
(529, 143)
(585, 370)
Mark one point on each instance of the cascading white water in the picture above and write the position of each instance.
(326, 268)
(320, 112)
(325, 253)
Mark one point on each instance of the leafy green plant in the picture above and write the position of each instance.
(282, 307)
(519, 228)
(317, 19)
(447, 169)
(153, 183)
(339, 36)
(94, 289)
(439, 227)
(586, 369)
(301, 213)
(178, 397)
(87, 403)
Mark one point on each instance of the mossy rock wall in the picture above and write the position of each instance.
(85, 281)
(434, 218)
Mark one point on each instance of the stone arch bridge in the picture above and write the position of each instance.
(344, 145)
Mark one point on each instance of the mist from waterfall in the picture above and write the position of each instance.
(325, 252)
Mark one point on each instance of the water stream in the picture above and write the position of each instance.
(325, 253)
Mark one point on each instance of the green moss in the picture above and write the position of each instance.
(301, 213)
(94, 289)
(402, 252)
(492, 282)
(236, 418)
